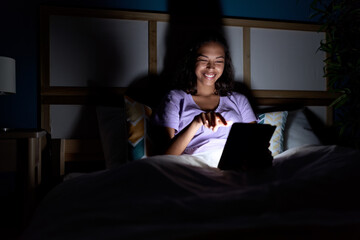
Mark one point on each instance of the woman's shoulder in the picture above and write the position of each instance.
(236, 95)
(176, 93)
(237, 98)
(175, 96)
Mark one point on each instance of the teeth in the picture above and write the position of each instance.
(209, 75)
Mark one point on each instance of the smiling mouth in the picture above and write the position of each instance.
(209, 75)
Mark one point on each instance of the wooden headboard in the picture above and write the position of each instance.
(77, 93)
(87, 59)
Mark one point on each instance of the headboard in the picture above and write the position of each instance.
(92, 56)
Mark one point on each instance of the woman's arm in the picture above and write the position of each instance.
(178, 143)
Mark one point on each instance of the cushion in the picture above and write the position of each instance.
(298, 131)
(277, 119)
(138, 122)
(112, 129)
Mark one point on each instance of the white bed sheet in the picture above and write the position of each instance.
(169, 197)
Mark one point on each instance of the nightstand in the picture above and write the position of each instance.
(20, 173)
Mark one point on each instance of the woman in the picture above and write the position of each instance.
(196, 117)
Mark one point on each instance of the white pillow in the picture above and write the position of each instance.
(112, 129)
(298, 131)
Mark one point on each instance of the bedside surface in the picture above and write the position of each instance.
(22, 133)
(21, 152)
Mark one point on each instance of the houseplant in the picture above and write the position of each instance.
(340, 19)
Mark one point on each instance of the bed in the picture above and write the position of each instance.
(127, 192)
(309, 192)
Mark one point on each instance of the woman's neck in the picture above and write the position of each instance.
(205, 91)
(206, 100)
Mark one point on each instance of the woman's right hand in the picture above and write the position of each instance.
(212, 120)
(179, 142)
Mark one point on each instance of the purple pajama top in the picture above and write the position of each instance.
(178, 109)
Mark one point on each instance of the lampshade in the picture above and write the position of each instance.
(7, 75)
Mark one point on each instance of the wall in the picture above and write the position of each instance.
(19, 23)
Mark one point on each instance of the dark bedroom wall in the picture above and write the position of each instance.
(20, 34)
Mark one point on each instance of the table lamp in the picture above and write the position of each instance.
(7, 76)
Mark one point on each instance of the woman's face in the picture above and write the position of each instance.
(209, 63)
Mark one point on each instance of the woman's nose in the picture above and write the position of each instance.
(210, 64)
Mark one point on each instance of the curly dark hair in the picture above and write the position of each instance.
(185, 78)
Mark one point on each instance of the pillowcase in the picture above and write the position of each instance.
(138, 122)
(112, 131)
(277, 119)
(298, 131)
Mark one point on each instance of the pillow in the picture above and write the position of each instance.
(138, 122)
(112, 131)
(277, 119)
(298, 131)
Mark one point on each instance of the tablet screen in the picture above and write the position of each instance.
(247, 144)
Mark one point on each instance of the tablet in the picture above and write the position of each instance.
(247, 147)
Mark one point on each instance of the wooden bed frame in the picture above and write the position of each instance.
(70, 150)
(81, 150)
